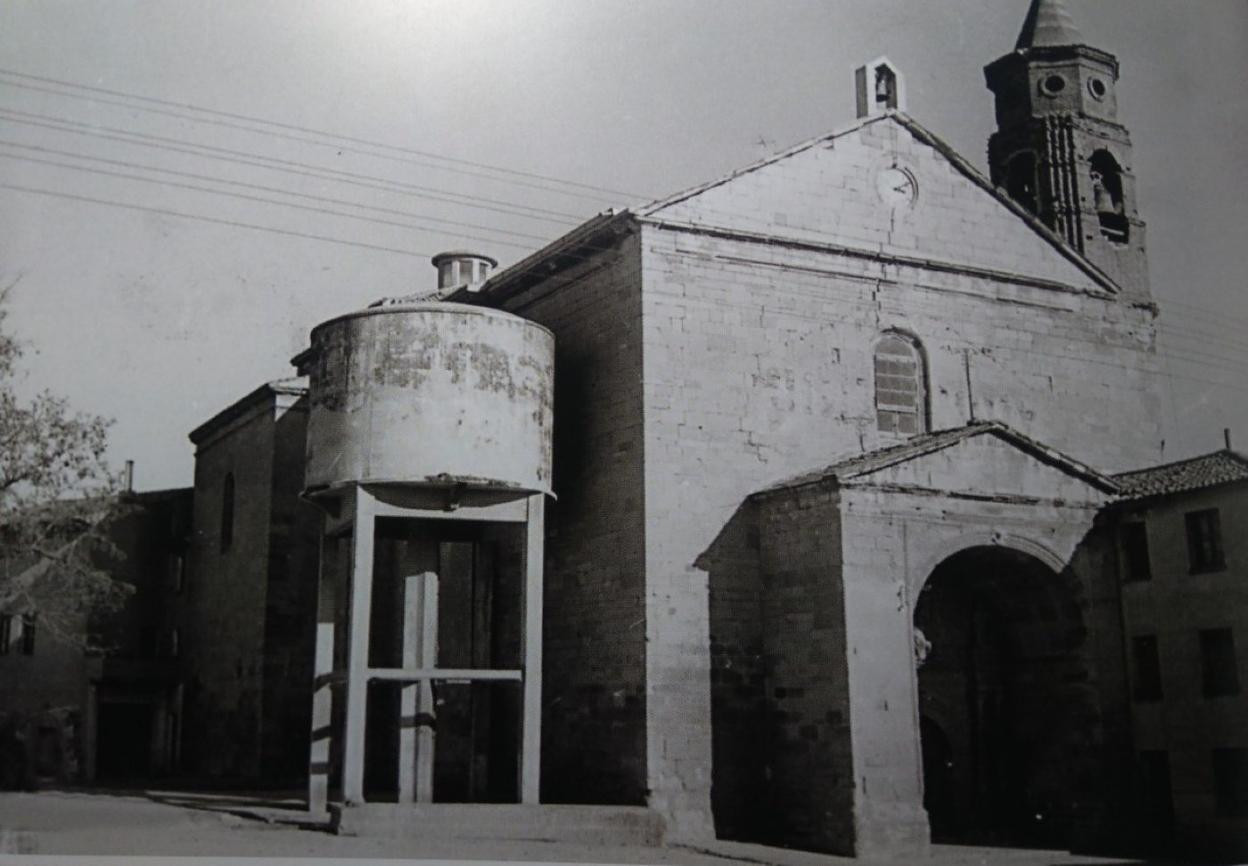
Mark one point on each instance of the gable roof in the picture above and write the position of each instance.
(295, 386)
(859, 465)
(1195, 473)
(652, 210)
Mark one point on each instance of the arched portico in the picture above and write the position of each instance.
(1002, 697)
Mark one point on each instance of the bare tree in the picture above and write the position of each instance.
(57, 497)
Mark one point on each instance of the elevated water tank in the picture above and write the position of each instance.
(430, 393)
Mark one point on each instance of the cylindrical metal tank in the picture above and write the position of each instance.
(430, 393)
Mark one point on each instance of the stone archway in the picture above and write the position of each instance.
(1004, 698)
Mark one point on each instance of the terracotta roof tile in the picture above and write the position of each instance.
(1207, 470)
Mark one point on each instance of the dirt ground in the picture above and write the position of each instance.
(47, 826)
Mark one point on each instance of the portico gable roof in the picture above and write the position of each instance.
(901, 465)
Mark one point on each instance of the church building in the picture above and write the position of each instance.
(777, 510)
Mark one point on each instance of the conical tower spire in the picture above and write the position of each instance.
(1048, 25)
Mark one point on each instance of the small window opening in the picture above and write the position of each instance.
(900, 395)
(1204, 541)
(1107, 197)
(1052, 85)
(1230, 782)
(1020, 180)
(1219, 673)
(28, 634)
(227, 513)
(885, 87)
(1146, 674)
(1133, 542)
(6, 634)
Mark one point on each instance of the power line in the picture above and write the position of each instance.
(295, 128)
(290, 166)
(208, 219)
(263, 200)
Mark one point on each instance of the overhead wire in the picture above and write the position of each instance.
(278, 164)
(270, 201)
(320, 171)
(263, 122)
(208, 219)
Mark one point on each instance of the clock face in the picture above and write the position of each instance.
(897, 187)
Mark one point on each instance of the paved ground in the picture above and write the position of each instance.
(177, 824)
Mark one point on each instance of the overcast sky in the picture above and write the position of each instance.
(142, 299)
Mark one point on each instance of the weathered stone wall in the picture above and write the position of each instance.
(1175, 606)
(807, 740)
(290, 606)
(225, 601)
(594, 700)
(758, 365)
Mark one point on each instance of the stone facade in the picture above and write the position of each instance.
(249, 602)
(1189, 706)
(756, 344)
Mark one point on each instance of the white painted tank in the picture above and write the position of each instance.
(430, 393)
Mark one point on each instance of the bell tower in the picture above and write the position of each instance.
(1059, 150)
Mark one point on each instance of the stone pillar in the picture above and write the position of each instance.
(416, 709)
(531, 724)
(320, 750)
(360, 610)
(889, 818)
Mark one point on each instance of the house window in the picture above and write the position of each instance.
(1204, 541)
(1219, 673)
(1146, 682)
(28, 634)
(6, 634)
(1133, 543)
(1230, 782)
(1156, 795)
(227, 513)
(177, 572)
(900, 392)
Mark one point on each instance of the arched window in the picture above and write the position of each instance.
(227, 513)
(900, 385)
(1107, 197)
(1020, 180)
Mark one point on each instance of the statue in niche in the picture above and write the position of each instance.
(922, 647)
(1102, 198)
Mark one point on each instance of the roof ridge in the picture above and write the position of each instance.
(648, 208)
(964, 165)
(1229, 452)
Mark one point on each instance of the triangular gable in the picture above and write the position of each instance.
(830, 190)
(991, 462)
(985, 459)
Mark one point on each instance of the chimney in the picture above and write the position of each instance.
(127, 477)
(1226, 437)
(458, 268)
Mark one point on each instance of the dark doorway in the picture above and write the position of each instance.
(123, 742)
(1007, 714)
(939, 791)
